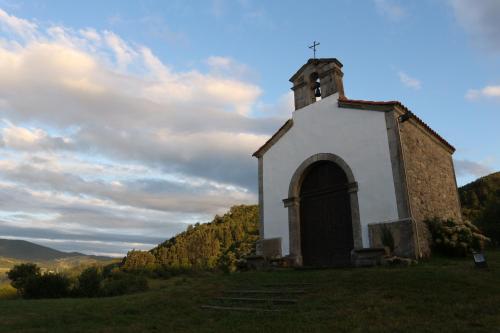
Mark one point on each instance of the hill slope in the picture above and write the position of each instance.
(481, 204)
(27, 251)
(456, 297)
(475, 196)
(219, 243)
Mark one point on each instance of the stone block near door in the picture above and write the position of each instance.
(271, 248)
(401, 233)
(368, 257)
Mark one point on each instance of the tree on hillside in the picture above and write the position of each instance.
(30, 283)
(489, 219)
(89, 282)
(139, 260)
(481, 204)
(218, 244)
(20, 275)
(48, 285)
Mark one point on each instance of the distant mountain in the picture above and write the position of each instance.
(481, 204)
(23, 250)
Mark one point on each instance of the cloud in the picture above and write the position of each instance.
(227, 66)
(21, 138)
(470, 168)
(123, 52)
(488, 92)
(99, 136)
(480, 20)
(283, 108)
(90, 34)
(17, 25)
(390, 9)
(409, 81)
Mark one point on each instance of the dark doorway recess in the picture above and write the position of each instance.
(325, 216)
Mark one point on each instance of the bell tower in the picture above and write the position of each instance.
(318, 78)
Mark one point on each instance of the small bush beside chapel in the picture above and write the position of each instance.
(455, 239)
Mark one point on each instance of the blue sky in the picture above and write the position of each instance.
(122, 122)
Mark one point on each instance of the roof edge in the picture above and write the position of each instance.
(273, 139)
(389, 106)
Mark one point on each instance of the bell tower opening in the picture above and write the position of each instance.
(315, 87)
(317, 79)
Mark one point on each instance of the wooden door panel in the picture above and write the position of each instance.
(326, 228)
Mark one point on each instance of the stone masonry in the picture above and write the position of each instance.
(430, 178)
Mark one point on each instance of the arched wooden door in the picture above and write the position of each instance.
(325, 216)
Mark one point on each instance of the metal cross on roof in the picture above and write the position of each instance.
(313, 47)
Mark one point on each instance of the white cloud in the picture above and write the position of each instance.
(390, 9)
(283, 108)
(17, 25)
(481, 20)
(110, 141)
(409, 81)
(90, 34)
(31, 139)
(488, 92)
(470, 168)
(123, 52)
(229, 67)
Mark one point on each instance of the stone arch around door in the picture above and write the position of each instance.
(293, 203)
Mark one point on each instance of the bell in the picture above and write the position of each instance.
(317, 92)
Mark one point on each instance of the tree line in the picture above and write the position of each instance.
(219, 244)
(93, 281)
(481, 205)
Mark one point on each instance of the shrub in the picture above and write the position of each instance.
(89, 283)
(49, 285)
(455, 239)
(120, 283)
(21, 274)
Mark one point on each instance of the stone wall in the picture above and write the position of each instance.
(430, 178)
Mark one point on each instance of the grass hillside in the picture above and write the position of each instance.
(441, 295)
(481, 204)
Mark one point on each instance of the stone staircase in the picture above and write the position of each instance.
(266, 298)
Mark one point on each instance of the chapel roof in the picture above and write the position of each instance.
(344, 102)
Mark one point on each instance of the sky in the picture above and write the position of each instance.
(121, 123)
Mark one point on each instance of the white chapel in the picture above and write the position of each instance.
(340, 173)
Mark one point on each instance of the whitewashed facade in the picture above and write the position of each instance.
(359, 137)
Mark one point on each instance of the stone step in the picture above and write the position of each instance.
(235, 308)
(286, 285)
(257, 300)
(269, 292)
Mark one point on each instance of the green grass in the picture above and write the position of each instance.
(440, 295)
(7, 291)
